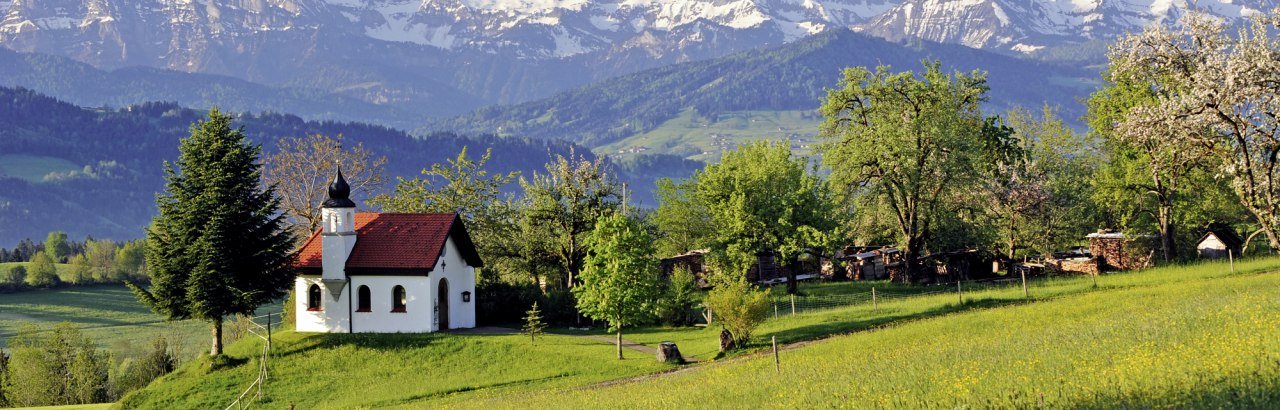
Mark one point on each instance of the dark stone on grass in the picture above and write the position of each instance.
(669, 353)
(726, 341)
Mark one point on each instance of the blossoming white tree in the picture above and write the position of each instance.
(1214, 90)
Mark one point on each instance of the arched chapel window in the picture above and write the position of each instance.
(398, 299)
(313, 298)
(363, 300)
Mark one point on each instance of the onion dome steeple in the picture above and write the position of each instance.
(339, 193)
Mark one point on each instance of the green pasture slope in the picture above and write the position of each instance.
(698, 138)
(1183, 336)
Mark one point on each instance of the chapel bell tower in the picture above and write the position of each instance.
(338, 234)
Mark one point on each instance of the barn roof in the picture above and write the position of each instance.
(392, 243)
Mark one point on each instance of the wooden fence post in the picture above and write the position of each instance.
(793, 305)
(1025, 293)
(777, 365)
(1232, 259)
(874, 305)
(775, 310)
(959, 291)
(265, 360)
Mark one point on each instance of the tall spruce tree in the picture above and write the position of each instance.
(218, 247)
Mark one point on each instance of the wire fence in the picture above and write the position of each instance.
(807, 303)
(255, 390)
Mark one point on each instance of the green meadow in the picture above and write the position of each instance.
(699, 138)
(1181, 336)
(33, 168)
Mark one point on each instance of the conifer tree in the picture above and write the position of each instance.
(533, 325)
(218, 247)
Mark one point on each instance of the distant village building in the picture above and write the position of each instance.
(383, 272)
(1219, 242)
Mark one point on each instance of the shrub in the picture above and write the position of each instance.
(55, 367)
(738, 308)
(42, 273)
(132, 375)
(15, 276)
(679, 298)
(4, 378)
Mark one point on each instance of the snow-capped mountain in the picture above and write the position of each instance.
(1027, 26)
(181, 31)
(454, 55)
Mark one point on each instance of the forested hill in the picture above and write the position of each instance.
(793, 77)
(96, 171)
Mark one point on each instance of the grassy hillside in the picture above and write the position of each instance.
(1181, 338)
(1197, 336)
(314, 371)
(705, 139)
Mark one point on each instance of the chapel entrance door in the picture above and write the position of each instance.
(442, 300)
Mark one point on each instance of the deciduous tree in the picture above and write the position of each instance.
(57, 247)
(465, 186)
(909, 140)
(619, 282)
(1209, 90)
(761, 198)
(301, 169)
(562, 207)
(219, 245)
(42, 273)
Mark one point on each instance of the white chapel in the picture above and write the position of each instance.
(374, 272)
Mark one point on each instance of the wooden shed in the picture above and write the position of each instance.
(1219, 242)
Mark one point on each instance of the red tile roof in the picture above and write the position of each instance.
(389, 243)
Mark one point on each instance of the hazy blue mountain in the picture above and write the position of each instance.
(792, 77)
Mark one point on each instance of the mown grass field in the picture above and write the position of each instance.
(1184, 336)
(109, 314)
(33, 168)
(1180, 337)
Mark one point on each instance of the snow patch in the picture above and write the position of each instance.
(567, 45)
(1026, 48)
(607, 23)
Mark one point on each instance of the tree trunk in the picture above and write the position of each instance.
(1272, 239)
(619, 344)
(910, 260)
(1167, 232)
(217, 338)
(791, 276)
(1013, 238)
